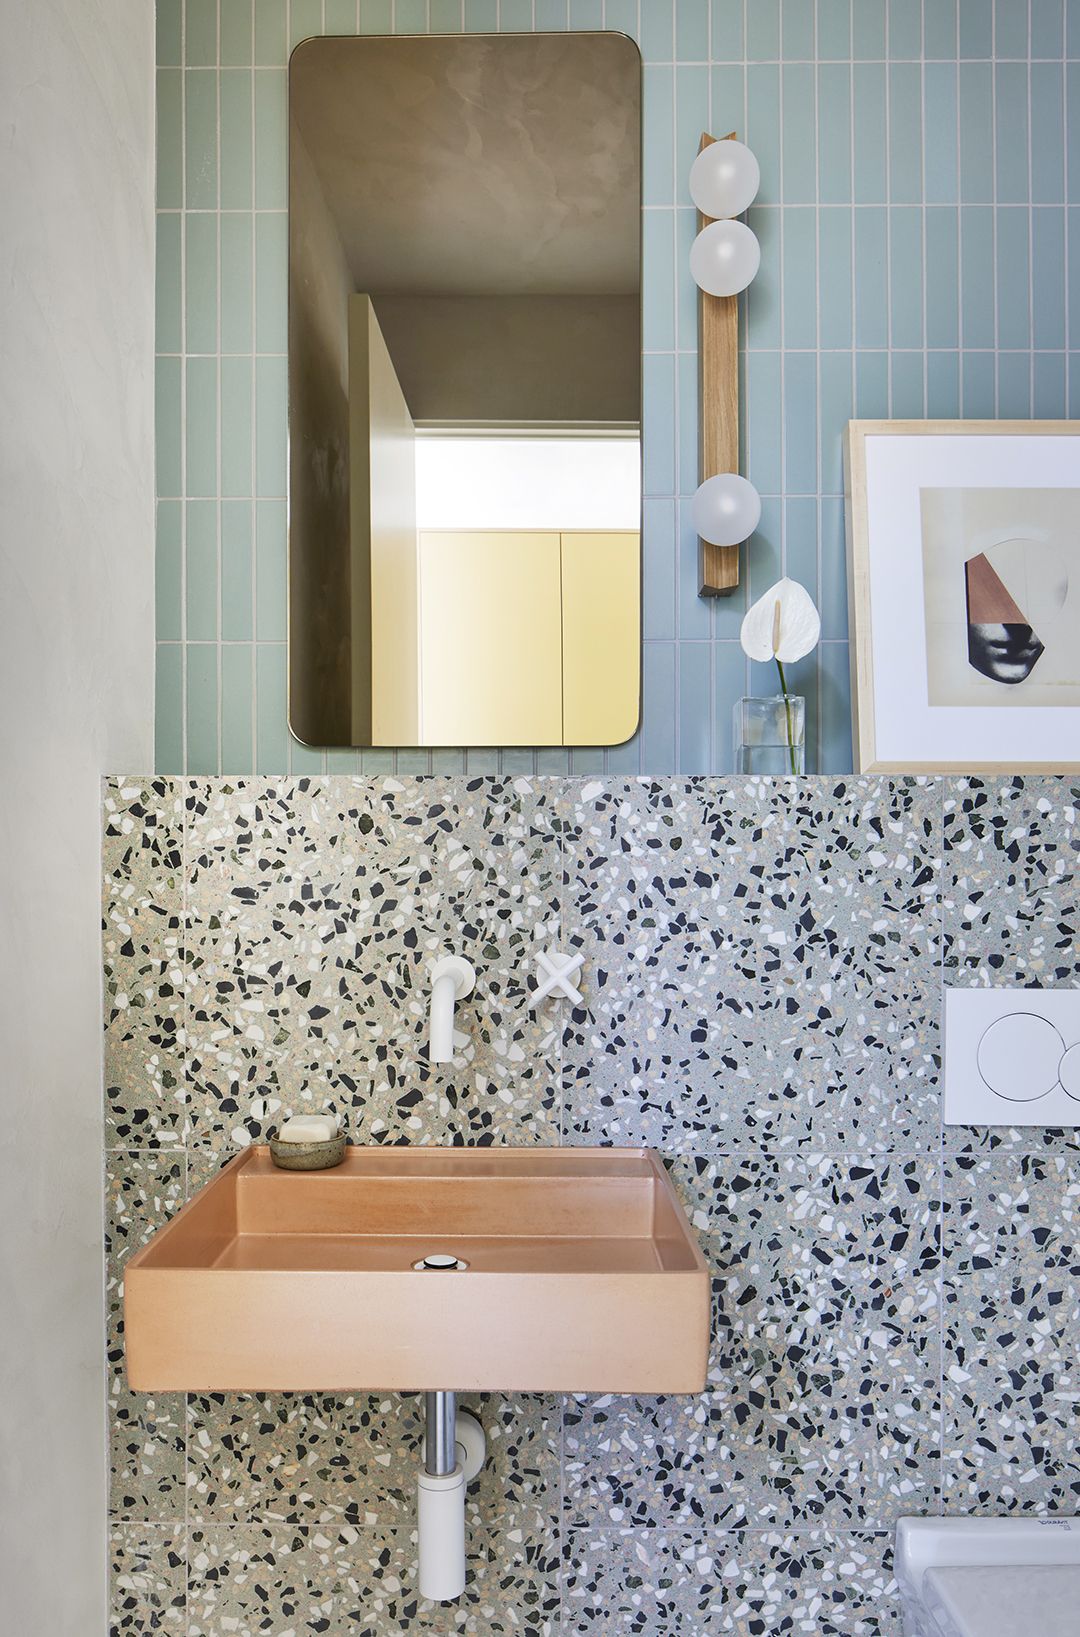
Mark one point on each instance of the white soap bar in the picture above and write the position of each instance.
(308, 1128)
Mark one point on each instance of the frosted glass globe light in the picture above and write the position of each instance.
(724, 179)
(724, 258)
(725, 509)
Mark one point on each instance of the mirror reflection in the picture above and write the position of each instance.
(464, 390)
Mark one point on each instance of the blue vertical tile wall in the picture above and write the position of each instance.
(916, 229)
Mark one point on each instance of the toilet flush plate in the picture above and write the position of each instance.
(1012, 1057)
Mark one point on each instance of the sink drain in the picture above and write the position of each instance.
(439, 1262)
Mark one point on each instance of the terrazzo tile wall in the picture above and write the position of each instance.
(917, 176)
(895, 1303)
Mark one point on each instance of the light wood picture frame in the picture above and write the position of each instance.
(963, 572)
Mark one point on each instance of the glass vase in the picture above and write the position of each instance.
(770, 735)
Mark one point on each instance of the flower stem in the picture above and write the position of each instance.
(787, 707)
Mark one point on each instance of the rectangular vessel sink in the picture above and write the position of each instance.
(581, 1274)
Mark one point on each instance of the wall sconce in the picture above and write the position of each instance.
(724, 180)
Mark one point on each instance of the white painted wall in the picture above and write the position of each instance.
(76, 699)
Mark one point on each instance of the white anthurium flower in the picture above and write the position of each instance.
(782, 625)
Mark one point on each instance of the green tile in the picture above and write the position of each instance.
(481, 16)
(1011, 132)
(236, 426)
(978, 400)
(201, 570)
(691, 120)
(833, 30)
(797, 31)
(872, 386)
(271, 281)
(799, 283)
(1047, 134)
(200, 33)
(446, 17)
(170, 142)
(414, 763)
(799, 143)
(237, 166)
(800, 423)
(167, 422)
(342, 16)
(905, 29)
(763, 127)
(1048, 279)
(1014, 386)
(589, 14)
(305, 20)
(343, 761)
(763, 420)
(377, 17)
(837, 408)
(237, 694)
(201, 281)
(377, 761)
(201, 427)
(694, 725)
(657, 167)
(658, 568)
(728, 102)
(658, 442)
(1011, 27)
(410, 17)
(270, 570)
(168, 582)
(834, 277)
(625, 759)
(448, 761)
(658, 31)
(939, 29)
(976, 19)
(167, 288)
(763, 32)
(832, 588)
(271, 40)
(551, 16)
(943, 277)
(236, 33)
(271, 190)
(271, 398)
(834, 723)
(905, 134)
(943, 386)
(976, 276)
(586, 759)
(1072, 126)
(237, 302)
(202, 707)
(623, 16)
(170, 33)
(237, 584)
(1013, 278)
(169, 708)
(1048, 29)
(868, 30)
(200, 139)
(1073, 231)
(907, 398)
(695, 614)
(869, 96)
(479, 761)
(871, 278)
(305, 758)
(729, 684)
(691, 30)
(686, 387)
(1049, 391)
(906, 276)
(940, 85)
(271, 729)
(834, 133)
(658, 290)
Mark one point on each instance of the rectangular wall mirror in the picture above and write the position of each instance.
(465, 390)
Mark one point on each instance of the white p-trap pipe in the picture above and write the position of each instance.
(440, 1523)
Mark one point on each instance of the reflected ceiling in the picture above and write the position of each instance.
(460, 169)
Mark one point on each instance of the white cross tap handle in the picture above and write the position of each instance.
(559, 968)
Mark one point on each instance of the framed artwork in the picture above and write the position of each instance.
(963, 558)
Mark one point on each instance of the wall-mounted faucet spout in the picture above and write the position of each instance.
(451, 980)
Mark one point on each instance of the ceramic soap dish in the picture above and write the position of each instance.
(314, 1155)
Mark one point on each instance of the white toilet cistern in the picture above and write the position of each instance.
(452, 978)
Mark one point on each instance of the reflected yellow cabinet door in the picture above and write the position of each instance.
(490, 638)
(601, 576)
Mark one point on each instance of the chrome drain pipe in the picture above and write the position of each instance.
(440, 1505)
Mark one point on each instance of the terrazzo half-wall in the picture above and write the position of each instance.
(896, 1318)
(917, 222)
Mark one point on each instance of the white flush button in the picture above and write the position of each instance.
(1069, 1072)
(1019, 1057)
